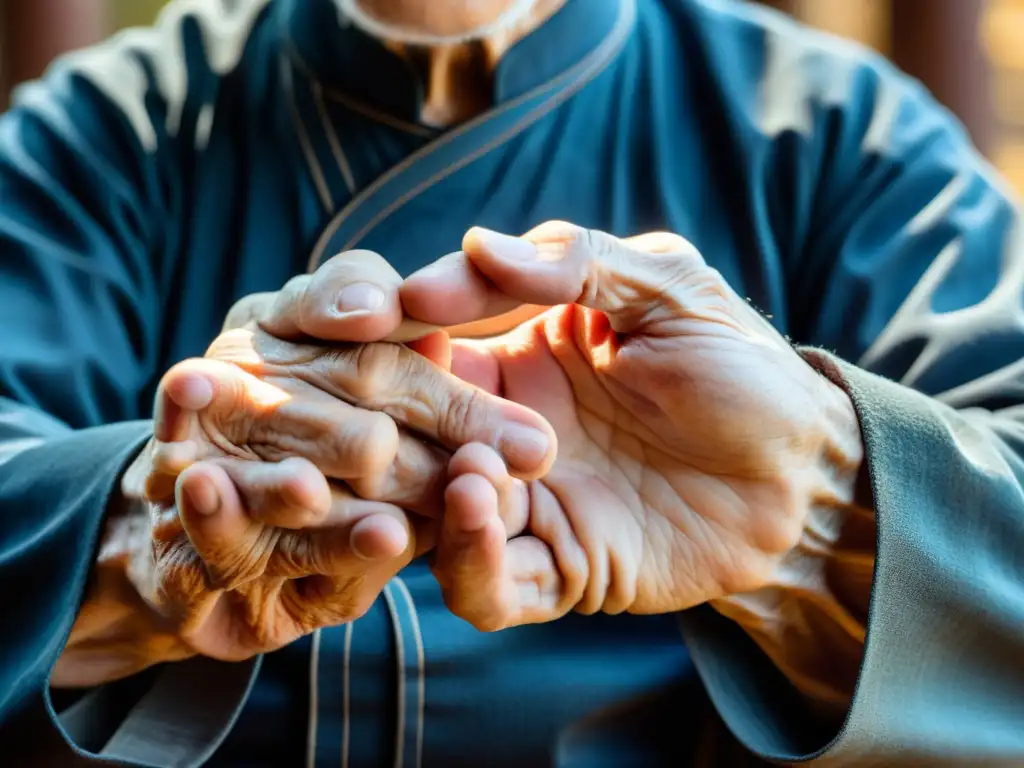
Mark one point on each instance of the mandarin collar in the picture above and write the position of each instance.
(343, 58)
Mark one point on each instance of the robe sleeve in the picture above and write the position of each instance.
(90, 180)
(907, 276)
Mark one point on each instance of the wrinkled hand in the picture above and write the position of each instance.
(693, 440)
(280, 472)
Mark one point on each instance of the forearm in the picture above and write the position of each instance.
(118, 632)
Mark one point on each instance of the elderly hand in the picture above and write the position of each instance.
(693, 440)
(275, 490)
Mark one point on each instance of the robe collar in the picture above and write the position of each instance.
(343, 58)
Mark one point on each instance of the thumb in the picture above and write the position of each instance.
(632, 281)
(352, 297)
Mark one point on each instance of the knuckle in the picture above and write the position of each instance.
(707, 291)
(288, 302)
(553, 228)
(363, 449)
(358, 607)
(232, 344)
(230, 574)
(310, 304)
(376, 446)
(180, 578)
(714, 281)
(314, 558)
(301, 555)
(374, 368)
(248, 310)
(371, 486)
(595, 243)
(291, 559)
(297, 507)
(464, 416)
(295, 286)
(681, 248)
(228, 570)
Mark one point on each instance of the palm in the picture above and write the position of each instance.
(693, 440)
(655, 468)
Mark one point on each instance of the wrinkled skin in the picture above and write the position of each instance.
(286, 483)
(693, 441)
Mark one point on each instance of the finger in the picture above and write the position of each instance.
(512, 493)
(415, 479)
(273, 419)
(432, 402)
(556, 263)
(491, 583)
(156, 470)
(452, 291)
(248, 310)
(246, 414)
(182, 390)
(351, 297)
(379, 538)
(546, 574)
(470, 560)
(222, 520)
(343, 588)
(195, 385)
(234, 548)
(291, 493)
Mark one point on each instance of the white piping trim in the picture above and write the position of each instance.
(303, 135)
(579, 75)
(314, 699)
(421, 667)
(396, 625)
(332, 139)
(346, 695)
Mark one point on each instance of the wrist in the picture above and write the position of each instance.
(840, 459)
(119, 630)
(811, 614)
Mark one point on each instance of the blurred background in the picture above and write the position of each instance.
(970, 53)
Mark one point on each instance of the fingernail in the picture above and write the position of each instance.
(506, 246)
(378, 538)
(524, 448)
(360, 297)
(194, 393)
(204, 497)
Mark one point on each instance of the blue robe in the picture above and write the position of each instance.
(148, 183)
